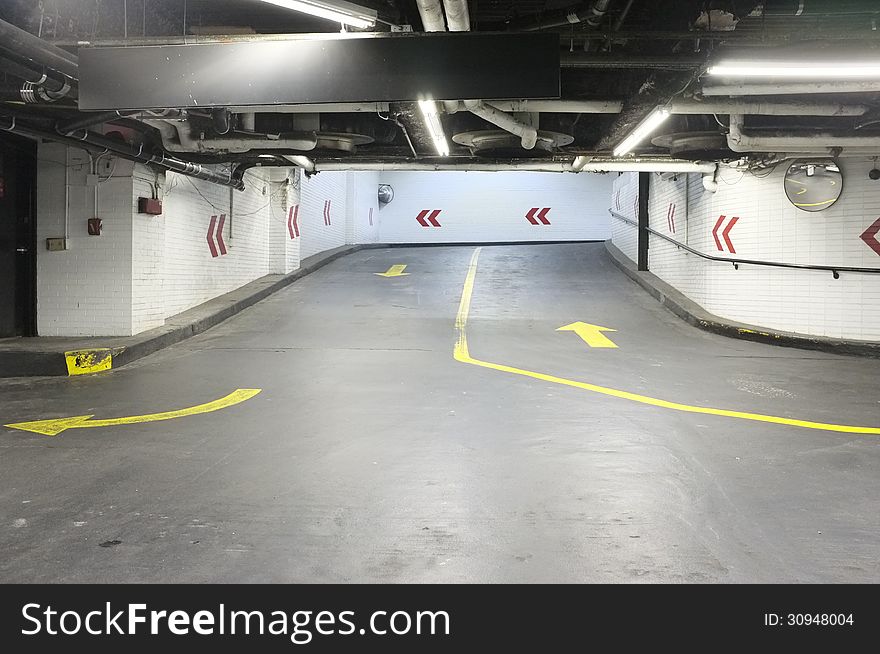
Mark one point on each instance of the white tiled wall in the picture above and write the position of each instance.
(364, 203)
(492, 206)
(85, 290)
(624, 200)
(146, 268)
(770, 228)
(315, 192)
(192, 275)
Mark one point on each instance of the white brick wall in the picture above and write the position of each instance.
(86, 290)
(364, 203)
(316, 191)
(624, 200)
(770, 228)
(492, 206)
(144, 268)
(192, 275)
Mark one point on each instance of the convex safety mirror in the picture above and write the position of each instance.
(813, 185)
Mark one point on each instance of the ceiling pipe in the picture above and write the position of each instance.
(25, 44)
(528, 134)
(457, 15)
(580, 164)
(121, 149)
(92, 119)
(301, 161)
(590, 15)
(431, 12)
(54, 85)
(768, 108)
(560, 106)
(604, 61)
(531, 166)
(585, 164)
(458, 19)
(740, 140)
(323, 108)
(719, 106)
(179, 139)
(790, 88)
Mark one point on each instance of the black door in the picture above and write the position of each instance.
(18, 178)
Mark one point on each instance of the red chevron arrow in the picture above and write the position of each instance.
(211, 245)
(427, 216)
(725, 233)
(542, 216)
(292, 227)
(869, 236)
(220, 242)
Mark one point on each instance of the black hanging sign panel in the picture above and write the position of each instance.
(401, 67)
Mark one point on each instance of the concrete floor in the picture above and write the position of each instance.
(372, 455)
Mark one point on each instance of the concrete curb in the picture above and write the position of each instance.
(695, 315)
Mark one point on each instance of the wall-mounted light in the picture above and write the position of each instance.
(643, 129)
(435, 127)
(336, 10)
(798, 69)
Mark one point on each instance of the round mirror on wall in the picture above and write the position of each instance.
(813, 184)
(386, 193)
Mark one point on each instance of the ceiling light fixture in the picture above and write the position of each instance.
(336, 10)
(435, 127)
(642, 130)
(825, 70)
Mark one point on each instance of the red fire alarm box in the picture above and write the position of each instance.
(95, 226)
(151, 206)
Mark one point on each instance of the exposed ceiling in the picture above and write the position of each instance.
(620, 60)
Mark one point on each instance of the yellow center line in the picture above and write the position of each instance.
(461, 353)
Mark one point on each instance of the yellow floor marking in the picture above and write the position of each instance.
(394, 271)
(461, 353)
(86, 362)
(55, 426)
(591, 334)
(814, 204)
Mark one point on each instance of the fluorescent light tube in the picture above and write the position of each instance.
(824, 70)
(644, 128)
(335, 10)
(435, 127)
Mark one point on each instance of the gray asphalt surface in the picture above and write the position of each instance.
(372, 455)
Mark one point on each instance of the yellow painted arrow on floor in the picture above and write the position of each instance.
(55, 426)
(591, 334)
(394, 271)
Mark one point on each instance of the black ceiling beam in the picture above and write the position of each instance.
(399, 67)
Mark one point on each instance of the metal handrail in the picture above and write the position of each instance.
(834, 270)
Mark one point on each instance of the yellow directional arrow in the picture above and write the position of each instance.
(394, 271)
(55, 426)
(591, 334)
